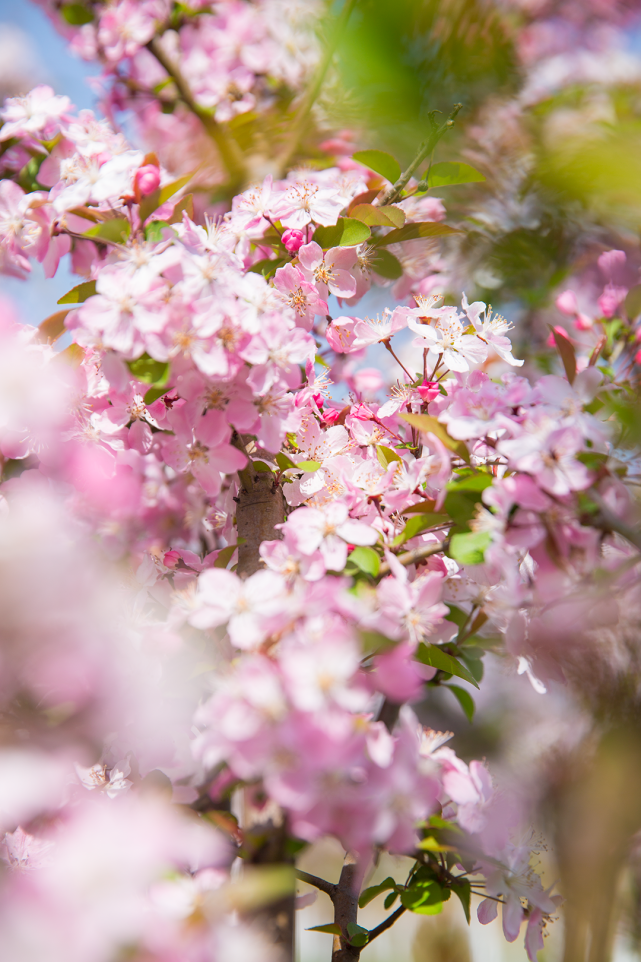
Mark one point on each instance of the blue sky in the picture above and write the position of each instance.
(36, 298)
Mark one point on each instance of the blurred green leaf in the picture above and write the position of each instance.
(469, 547)
(385, 264)
(380, 162)
(366, 559)
(427, 423)
(116, 230)
(416, 231)
(418, 523)
(148, 371)
(76, 14)
(464, 699)
(378, 216)
(437, 658)
(447, 174)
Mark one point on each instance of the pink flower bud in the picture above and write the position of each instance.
(293, 240)
(171, 559)
(331, 415)
(428, 390)
(566, 303)
(147, 179)
(637, 357)
(583, 323)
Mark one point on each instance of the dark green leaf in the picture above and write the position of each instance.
(471, 482)
(261, 467)
(386, 265)
(225, 556)
(457, 616)
(154, 393)
(346, 233)
(414, 231)
(462, 888)
(437, 658)
(366, 559)
(380, 162)
(389, 901)
(464, 699)
(76, 14)
(357, 934)
(469, 547)
(332, 929)
(116, 230)
(367, 895)
(148, 371)
(79, 293)
(447, 174)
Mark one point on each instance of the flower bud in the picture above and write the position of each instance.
(147, 179)
(428, 390)
(293, 240)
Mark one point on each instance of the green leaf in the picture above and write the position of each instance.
(308, 466)
(389, 901)
(456, 616)
(380, 162)
(423, 507)
(461, 887)
(116, 230)
(386, 455)
(148, 371)
(386, 265)
(464, 699)
(369, 894)
(469, 547)
(366, 559)
(154, 393)
(268, 266)
(155, 200)
(346, 233)
(225, 556)
(332, 929)
(446, 174)
(378, 216)
(357, 935)
(283, 462)
(153, 230)
(76, 14)
(418, 523)
(52, 327)
(424, 900)
(415, 231)
(261, 467)
(437, 658)
(183, 206)
(471, 482)
(427, 423)
(79, 294)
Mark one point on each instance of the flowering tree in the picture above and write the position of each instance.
(232, 558)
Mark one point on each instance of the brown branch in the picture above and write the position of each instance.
(230, 153)
(386, 924)
(416, 554)
(346, 909)
(329, 888)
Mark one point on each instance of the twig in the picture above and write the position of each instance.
(388, 347)
(394, 192)
(306, 104)
(329, 888)
(386, 924)
(416, 554)
(230, 153)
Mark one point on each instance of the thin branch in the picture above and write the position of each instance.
(329, 888)
(388, 347)
(306, 104)
(386, 924)
(230, 153)
(394, 192)
(416, 554)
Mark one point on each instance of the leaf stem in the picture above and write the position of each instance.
(394, 192)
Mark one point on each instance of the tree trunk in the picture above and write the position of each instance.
(261, 506)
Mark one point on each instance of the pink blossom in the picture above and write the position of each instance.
(203, 449)
(330, 272)
(248, 608)
(40, 112)
(305, 202)
(299, 294)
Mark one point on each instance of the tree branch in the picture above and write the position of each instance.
(306, 104)
(329, 888)
(394, 192)
(416, 554)
(230, 153)
(346, 909)
(386, 924)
